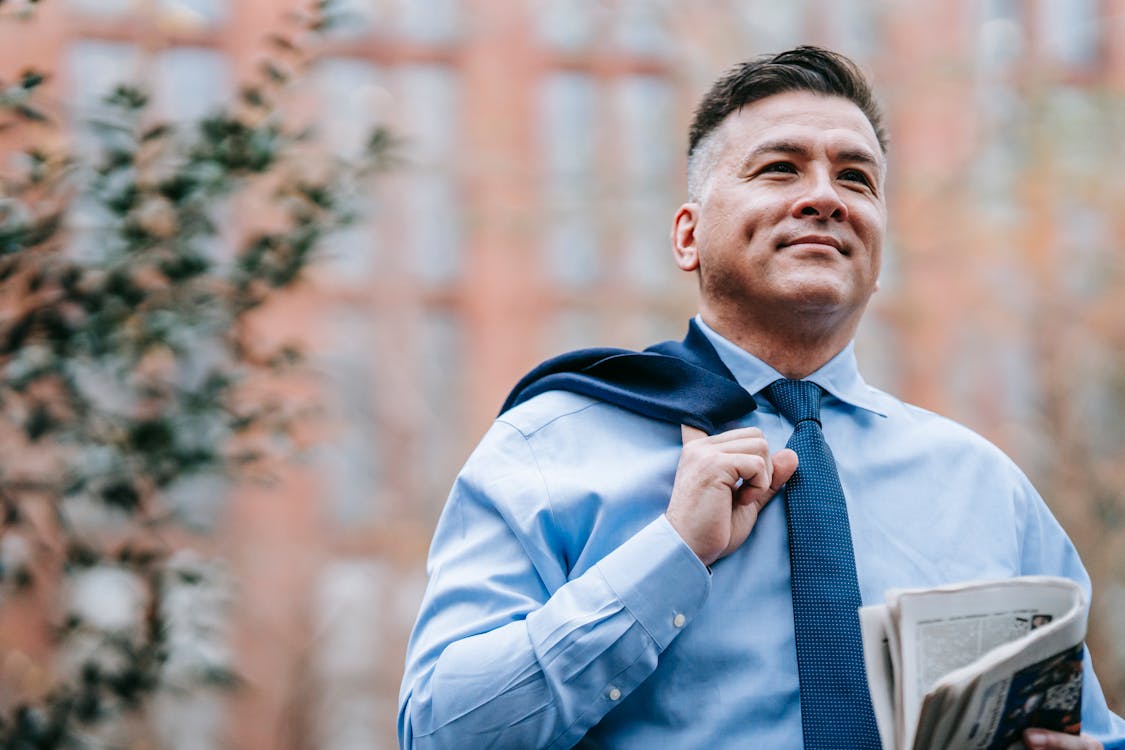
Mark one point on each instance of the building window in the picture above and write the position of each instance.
(192, 15)
(351, 462)
(1003, 153)
(195, 598)
(352, 19)
(107, 10)
(415, 20)
(428, 20)
(1069, 30)
(442, 363)
(191, 83)
(350, 634)
(1085, 246)
(349, 100)
(645, 123)
(851, 26)
(1004, 147)
(94, 68)
(641, 27)
(771, 26)
(569, 126)
(434, 229)
(1001, 37)
(568, 25)
(426, 98)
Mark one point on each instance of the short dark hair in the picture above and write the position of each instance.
(804, 68)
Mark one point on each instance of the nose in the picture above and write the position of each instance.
(819, 199)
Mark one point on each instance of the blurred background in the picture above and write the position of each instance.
(539, 159)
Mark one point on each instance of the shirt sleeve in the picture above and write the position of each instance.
(1047, 550)
(507, 652)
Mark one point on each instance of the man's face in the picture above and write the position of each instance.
(791, 218)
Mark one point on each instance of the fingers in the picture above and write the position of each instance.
(718, 480)
(735, 458)
(744, 452)
(723, 439)
(1042, 739)
(784, 464)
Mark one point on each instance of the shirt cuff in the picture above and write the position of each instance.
(659, 579)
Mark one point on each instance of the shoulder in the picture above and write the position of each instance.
(542, 411)
(572, 477)
(937, 433)
(567, 415)
(572, 438)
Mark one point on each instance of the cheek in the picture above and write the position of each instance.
(870, 225)
(716, 230)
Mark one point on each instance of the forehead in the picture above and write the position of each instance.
(816, 121)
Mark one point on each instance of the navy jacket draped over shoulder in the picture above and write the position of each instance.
(683, 382)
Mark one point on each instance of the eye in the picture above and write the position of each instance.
(783, 167)
(855, 175)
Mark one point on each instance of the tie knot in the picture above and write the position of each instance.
(797, 400)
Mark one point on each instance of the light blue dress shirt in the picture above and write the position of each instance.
(564, 610)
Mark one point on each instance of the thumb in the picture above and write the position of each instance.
(689, 433)
(784, 464)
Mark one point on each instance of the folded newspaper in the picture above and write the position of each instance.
(972, 665)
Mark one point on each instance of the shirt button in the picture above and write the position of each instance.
(614, 694)
(679, 620)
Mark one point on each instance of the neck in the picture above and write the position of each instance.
(796, 348)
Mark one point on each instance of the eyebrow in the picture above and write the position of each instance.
(798, 149)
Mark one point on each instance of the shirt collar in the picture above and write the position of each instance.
(839, 376)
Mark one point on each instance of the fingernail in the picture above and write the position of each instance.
(1034, 739)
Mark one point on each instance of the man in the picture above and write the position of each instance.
(607, 574)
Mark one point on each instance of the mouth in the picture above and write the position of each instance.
(822, 240)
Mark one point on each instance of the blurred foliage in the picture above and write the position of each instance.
(129, 359)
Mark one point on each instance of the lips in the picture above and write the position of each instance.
(816, 239)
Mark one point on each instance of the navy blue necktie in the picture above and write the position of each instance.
(835, 704)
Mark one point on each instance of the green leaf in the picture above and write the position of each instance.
(31, 78)
(281, 42)
(121, 285)
(81, 555)
(29, 113)
(124, 200)
(252, 96)
(317, 194)
(18, 333)
(178, 187)
(273, 72)
(42, 230)
(156, 131)
(129, 98)
(152, 435)
(121, 494)
(184, 267)
(38, 423)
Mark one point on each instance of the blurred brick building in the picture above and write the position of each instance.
(543, 160)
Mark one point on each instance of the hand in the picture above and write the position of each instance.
(722, 482)
(1042, 739)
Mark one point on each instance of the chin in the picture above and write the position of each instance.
(819, 292)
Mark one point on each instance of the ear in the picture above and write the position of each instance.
(683, 237)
